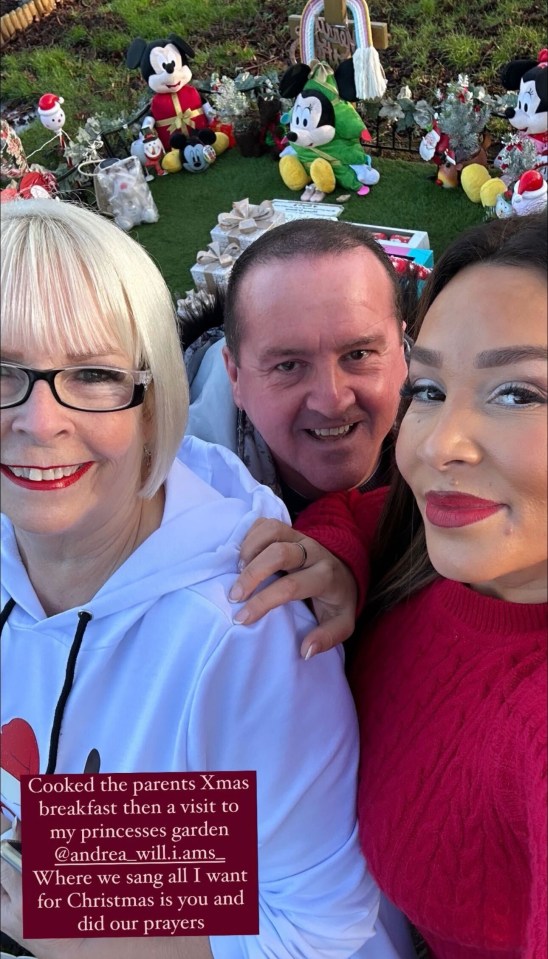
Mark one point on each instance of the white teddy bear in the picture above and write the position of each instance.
(122, 192)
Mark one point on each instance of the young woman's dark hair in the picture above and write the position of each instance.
(400, 561)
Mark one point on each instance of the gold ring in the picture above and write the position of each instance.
(305, 556)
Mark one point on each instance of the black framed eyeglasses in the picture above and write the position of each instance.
(89, 389)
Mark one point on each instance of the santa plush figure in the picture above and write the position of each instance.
(52, 116)
(434, 145)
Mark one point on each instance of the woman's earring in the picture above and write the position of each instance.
(147, 456)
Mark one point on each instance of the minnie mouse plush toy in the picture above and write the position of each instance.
(175, 106)
(530, 115)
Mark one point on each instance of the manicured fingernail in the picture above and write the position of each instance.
(311, 651)
(241, 617)
(236, 593)
(241, 565)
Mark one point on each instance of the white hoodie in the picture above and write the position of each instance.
(165, 682)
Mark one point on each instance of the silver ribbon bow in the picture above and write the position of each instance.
(246, 217)
(213, 256)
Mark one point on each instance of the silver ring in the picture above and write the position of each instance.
(305, 556)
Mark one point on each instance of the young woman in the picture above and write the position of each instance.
(450, 674)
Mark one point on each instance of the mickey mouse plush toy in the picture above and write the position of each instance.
(175, 105)
(326, 134)
(196, 152)
(530, 116)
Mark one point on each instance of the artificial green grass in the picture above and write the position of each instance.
(189, 204)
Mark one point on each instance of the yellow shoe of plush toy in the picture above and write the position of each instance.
(293, 173)
(472, 178)
(322, 175)
(490, 190)
(221, 143)
(171, 162)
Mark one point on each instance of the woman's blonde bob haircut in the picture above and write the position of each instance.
(74, 283)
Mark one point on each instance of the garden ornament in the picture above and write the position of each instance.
(26, 181)
(272, 133)
(525, 151)
(176, 105)
(530, 193)
(326, 134)
(434, 145)
(503, 205)
(122, 192)
(52, 117)
(473, 179)
(153, 151)
(194, 153)
(369, 79)
(530, 115)
(51, 113)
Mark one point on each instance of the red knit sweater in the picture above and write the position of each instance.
(451, 693)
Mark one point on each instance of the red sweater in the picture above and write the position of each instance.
(451, 693)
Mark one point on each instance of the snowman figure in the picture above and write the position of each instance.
(52, 116)
(153, 151)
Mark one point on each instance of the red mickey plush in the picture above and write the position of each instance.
(176, 105)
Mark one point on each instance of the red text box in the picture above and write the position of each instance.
(130, 854)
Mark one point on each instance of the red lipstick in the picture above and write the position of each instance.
(451, 510)
(45, 485)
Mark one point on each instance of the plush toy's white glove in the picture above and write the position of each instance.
(365, 173)
(288, 151)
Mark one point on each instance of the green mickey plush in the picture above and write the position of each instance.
(326, 133)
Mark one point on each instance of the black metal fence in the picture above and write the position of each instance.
(386, 139)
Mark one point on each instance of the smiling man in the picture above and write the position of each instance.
(315, 360)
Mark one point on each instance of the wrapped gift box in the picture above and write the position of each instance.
(418, 255)
(405, 264)
(391, 234)
(212, 268)
(245, 223)
(192, 300)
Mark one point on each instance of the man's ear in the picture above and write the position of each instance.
(232, 371)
